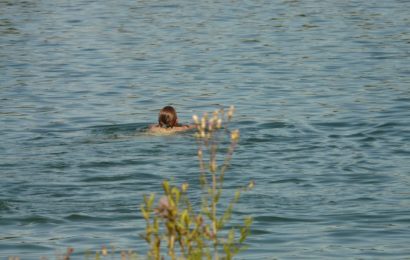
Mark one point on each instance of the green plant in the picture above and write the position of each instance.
(196, 234)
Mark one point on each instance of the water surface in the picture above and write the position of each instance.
(323, 105)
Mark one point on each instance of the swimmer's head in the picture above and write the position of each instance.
(167, 117)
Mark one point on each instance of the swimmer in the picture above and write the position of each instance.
(168, 122)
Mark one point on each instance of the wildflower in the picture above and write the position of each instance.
(251, 185)
(104, 251)
(230, 112)
(184, 187)
(219, 123)
(163, 207)
(203, 122)
(195, 118)
(202, 134)
(235, 135)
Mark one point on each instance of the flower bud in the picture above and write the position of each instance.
(219, 123)
(195, 118)
(202, 134)
(184, 187)
(235, 135)
(104, 251)
(230, 112)
(251, 185)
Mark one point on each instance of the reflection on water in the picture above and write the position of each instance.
(322, 98)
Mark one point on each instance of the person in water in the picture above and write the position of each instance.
(168, 122)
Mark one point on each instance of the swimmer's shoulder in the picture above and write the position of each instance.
(156, 129)
(183, 128)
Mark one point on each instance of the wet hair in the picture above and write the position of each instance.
(167, 117)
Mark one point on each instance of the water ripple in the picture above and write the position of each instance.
(321, 90)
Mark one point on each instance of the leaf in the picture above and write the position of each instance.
(175, 191)
(237, 195)
(145, 214)
(165, 186)
(151, 200)
(245, 230)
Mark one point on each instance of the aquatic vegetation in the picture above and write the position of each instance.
(176, 226)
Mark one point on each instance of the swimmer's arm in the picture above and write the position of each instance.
(184, 128)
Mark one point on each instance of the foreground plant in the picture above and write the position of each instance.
(175, 226)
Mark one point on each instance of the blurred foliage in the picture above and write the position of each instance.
(176, 229)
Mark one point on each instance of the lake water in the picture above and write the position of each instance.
(322, 96)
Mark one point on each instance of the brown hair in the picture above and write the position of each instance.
(167, 117)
